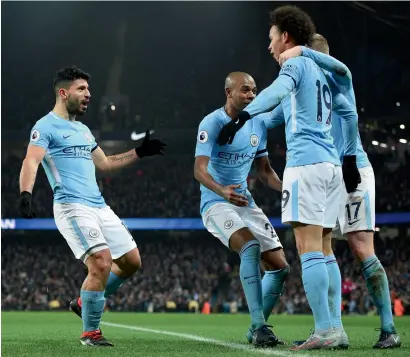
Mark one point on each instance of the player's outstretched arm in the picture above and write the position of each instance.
(149, 147)
(266, 174)
(273, 118)
(28, 176)
(202, 175)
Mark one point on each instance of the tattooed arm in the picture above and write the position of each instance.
(29, 168)
(114, 162)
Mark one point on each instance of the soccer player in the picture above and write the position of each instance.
(69, 155)
(228, 209)
(356, 217)
(312, 176)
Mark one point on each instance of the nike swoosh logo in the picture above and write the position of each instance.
(139, 136)
(237, 121)
(350, 223)
(248, 277)
(66, 136)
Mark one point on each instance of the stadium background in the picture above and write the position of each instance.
(162, 66)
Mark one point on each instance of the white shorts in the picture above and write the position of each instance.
(311, 194)
(224, 219)
(357, 209)
(88, 230)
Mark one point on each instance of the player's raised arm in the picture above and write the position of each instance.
(205, 142)
(149, 147)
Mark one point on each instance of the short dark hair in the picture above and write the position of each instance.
(294, 21)
(65, 76)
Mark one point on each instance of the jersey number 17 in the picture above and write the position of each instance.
(327, 99)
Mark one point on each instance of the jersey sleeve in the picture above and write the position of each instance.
(41, 135)
(349, 117)
(272, 119)
(207, 134)
(94, 144)
(289, 77)
(341, 72)
(262, 148)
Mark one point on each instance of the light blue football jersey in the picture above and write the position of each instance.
(68, 162)
(229, 164)
(306, 99)
(341, 77)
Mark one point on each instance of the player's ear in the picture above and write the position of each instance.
(63, 93)
(228, 92)
(285, 37)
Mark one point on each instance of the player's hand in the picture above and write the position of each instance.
(150, 147)
(228, 192)
(229, 130)
(26, 205)
(290, 53)
(351, 174)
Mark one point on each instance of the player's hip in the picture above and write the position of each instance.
(209, 199)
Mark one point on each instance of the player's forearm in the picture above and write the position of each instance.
(28, 175)
(270, 179)
(203, 177)
(350, 133)
(122, 160)
(341, 73)
(270, 97)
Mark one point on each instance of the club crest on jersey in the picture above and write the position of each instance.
(254, 140)
(203, 137)
(228, 224)
(94, 233)
(88, 137)
(35, 135)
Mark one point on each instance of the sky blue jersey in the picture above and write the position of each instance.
(68, 162)
(229, 164)
(340, 77)
(306, 99)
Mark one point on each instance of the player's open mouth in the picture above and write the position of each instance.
(84, 103)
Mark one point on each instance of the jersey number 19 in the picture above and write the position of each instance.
(327, 99)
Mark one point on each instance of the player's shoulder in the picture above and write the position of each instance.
(46, 123)
(217, 118)
(83, 126)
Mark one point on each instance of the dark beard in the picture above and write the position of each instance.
(73, 108)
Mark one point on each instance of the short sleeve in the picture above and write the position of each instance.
(208, 131)
(41, 135)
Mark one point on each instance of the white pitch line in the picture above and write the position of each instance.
(213, 341)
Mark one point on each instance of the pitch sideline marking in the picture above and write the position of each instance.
(213, 341)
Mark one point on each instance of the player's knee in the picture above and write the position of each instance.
(99, 263)
(361, 244)
(130, 263)
(274, 260)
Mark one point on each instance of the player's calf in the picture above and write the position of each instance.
(377, 283)
(315, 276)
(92, 294)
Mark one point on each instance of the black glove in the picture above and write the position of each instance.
(26, 206)
(229, 130)
(351, 175)
(150, 147)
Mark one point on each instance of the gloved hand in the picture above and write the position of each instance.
(26, 205)
(229, 130)
(351, 175)
(150, 147)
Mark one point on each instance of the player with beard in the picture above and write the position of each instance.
(69, 155)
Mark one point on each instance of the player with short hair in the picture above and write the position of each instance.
(356, 218)
(228, 209)
(69, 155)
(313, 177)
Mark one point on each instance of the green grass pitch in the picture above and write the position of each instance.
(56, 334)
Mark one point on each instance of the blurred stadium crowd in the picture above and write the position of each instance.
(181, 271)
(145, 191)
